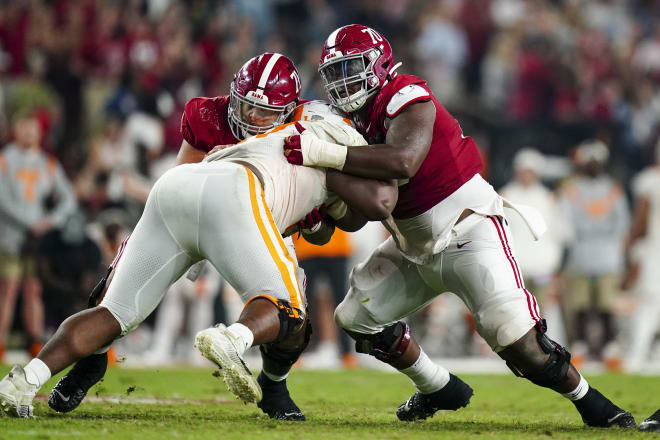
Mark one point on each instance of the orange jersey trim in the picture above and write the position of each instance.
(281, 265)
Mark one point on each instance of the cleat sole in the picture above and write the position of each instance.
(238, 379)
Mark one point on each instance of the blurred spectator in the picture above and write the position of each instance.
(29, 179)
(108, 80)
(645, 256)
(539, 260)
(70, 263)
(596, 218)
(327, 265)
(442, 50)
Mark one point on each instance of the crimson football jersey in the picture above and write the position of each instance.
(205, 123)
(452, 160)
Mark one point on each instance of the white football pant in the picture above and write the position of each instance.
(478, 265)
(214, 211)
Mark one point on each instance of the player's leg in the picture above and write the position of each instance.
(241, 240)
(485, 274)
(383, 290)
(10, 276)
(33, 307)
(151, 262)
(279, 356)
(69, 392)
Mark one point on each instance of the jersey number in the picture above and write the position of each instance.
(375, 37)
(294, 76)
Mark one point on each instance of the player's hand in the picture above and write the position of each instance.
(219, 148)
(310, 151)
(293, 147)
(313, 220)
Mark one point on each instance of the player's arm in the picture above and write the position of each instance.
(372, 199)
(360, 200)
(406, 145)
(189, 154)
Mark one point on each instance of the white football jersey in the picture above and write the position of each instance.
(292, 191)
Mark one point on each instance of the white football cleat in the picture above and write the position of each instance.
(219, 346)
(16, 394)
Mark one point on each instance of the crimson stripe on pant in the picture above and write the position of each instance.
(120, 252)
(517, 266)
(516, 273)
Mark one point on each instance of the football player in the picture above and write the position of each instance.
(449, 233)
(228, 210)
(264, 93)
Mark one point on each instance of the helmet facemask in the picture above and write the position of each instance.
(350, 81)
(240, 108)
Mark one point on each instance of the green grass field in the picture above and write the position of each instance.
(193, 404)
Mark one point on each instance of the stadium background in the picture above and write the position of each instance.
(107, 81)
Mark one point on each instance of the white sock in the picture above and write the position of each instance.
(426, 375)
(243, 334)
(273, 377)
(36, 372)
(579, 392)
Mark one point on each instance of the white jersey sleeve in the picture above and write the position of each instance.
(329, 123)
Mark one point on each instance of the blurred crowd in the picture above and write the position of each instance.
(562, 97)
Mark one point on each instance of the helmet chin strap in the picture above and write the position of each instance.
(396, 66)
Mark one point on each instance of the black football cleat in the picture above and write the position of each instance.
(651, 424)
(456, 394)
(598, 411)
(72, 388)
(276, 401)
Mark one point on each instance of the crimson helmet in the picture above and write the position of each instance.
(356, 61)
(266, 88)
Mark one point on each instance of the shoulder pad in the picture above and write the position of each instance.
(407, 95)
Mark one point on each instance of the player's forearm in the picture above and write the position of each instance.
(352, 221)
(189, 154)
(373, 199)
(380, 161)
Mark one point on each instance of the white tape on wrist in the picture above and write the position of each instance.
(320, 153)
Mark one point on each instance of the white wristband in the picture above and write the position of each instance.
(319, 153)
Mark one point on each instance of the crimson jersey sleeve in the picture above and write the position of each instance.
(204, 123)
(452, 159)
(403, 91)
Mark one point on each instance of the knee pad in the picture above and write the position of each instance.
(555, 370)
(387, 345)
(278, 356)
(291, 318)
